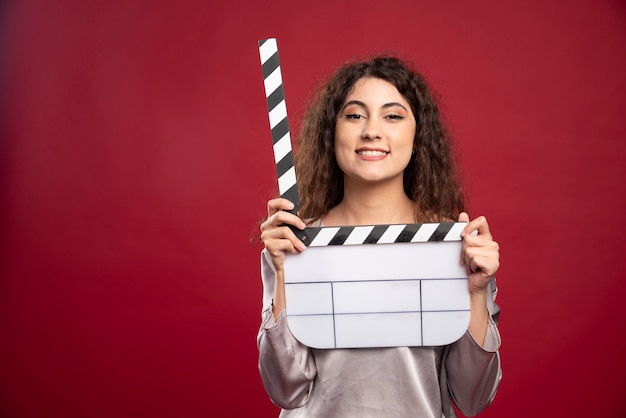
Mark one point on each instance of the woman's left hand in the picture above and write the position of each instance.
(480, 253)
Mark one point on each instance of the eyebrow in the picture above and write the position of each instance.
(360, 103)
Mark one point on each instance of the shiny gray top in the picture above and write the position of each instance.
(374, 382)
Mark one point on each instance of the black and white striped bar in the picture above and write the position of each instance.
(385, 234)
(279, 124)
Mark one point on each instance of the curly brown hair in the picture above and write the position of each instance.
(430, 179)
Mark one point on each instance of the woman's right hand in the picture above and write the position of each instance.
(277, 237)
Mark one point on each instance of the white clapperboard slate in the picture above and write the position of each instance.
(365, 286)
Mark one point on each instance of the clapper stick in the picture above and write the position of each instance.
(342, 292)
(279, 125)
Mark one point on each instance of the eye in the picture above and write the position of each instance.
(354, 116)
(394, 117)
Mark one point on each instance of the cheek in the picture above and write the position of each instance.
(407, 146)
(405, 137)
(343, 147)
(341, 155)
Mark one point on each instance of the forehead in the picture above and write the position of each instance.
(374, 92)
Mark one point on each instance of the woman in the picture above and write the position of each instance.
(373, 150)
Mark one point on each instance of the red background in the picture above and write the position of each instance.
(135, 162)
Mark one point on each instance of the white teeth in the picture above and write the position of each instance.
(371, 153)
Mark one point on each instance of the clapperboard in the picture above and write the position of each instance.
(365, 286)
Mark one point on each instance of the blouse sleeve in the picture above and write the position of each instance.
(286, 366)
(473, 372)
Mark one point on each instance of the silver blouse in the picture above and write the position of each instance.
(375, 382)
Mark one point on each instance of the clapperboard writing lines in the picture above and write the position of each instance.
(334, 313)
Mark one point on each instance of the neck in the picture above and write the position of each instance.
(371, 204)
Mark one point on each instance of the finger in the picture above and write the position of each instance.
(480, 241)
(282, 218)
(476, 245)
(277, 233)
(463, 217)
(479, 226)
(277, 247)
(484, 265)
(278, 204)
(491, 248)
(282, 233)
(485, 260)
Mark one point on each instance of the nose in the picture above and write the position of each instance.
(371, 130)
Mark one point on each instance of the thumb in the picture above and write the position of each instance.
(463, 217)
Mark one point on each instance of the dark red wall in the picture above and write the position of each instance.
(135, 163)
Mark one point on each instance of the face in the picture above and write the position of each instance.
(374, 133)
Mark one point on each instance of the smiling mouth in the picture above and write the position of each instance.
(372, 153)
